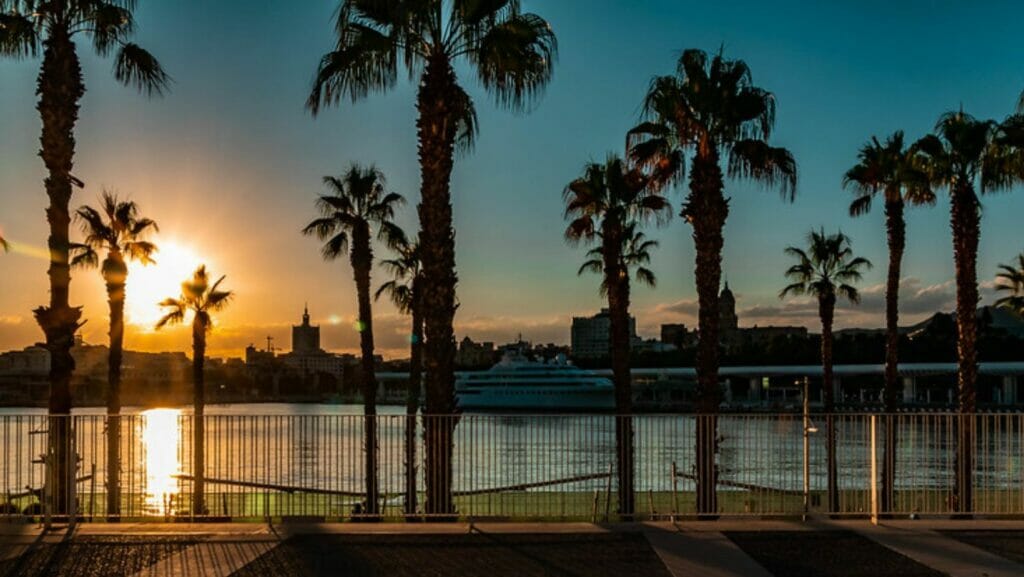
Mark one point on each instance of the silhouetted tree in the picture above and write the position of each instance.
(889, 170)
(709, 108)
(357, 208)
(1011, 279)
(827, 271)
(404, 291)
(117, 231)
(512, 54)
(199, 299)
(605, 206)
(966, 155)
(26, 26)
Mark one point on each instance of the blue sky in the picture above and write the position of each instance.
(229, 162)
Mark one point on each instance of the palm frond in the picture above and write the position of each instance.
(83, 256)
(111, 25)
(365, 61)
(773, 166)
(515, 58)
(18, 36)
(134, 66)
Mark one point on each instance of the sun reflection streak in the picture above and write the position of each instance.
(161, 430)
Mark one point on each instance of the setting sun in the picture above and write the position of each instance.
(148, 285)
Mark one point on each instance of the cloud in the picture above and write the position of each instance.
(684, 307)
(915, 298)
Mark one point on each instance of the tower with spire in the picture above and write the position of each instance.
(727, 320)
(305, 337)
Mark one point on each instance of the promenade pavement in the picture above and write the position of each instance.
(724, 548)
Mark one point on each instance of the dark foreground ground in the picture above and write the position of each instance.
(825, 554)
(724, 549)
(612, 554)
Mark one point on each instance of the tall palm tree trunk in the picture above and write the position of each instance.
(617, 281)
(826, 310)
(198, 422)
(362, 260)
(436, 128)
(709, 209)
(896, 232)
(412, 400)
(115, 298)
(60, 87)
(965, 218)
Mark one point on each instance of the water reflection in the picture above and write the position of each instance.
(161, 430)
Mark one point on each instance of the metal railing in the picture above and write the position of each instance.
(557, 467)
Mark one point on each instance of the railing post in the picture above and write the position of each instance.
(675, 492)
(874, 469)
(807, 448)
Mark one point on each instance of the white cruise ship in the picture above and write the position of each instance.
(518, 383)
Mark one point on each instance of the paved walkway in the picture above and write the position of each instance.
(704, 553)
(950, 556)
(686, 549)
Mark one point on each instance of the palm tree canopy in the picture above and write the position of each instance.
(1010, 279)
(826, 268)
(404, 269)
(199, 297)
(108, 24)
(512, 52)
(613, 192)
(358, 199)
(116, 229)
(888, 169)
(964, 150)
(710, 106)
(635, 255)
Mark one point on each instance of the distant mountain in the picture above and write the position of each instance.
(989, 317)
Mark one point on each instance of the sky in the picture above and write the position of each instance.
(229, 163)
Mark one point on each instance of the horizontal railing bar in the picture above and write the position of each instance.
(271, 486)
(534, 485)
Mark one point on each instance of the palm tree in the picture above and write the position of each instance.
(118, 231)
(709, 108)
(199, 299)
(357, 205)
(403, 289)
(827, 271)
(966, 155)
(1011, 279)
(513, 55)
(604, 206)
(26, 26)
(889, 170)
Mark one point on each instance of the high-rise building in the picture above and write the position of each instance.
(305, 337)
(591, 335)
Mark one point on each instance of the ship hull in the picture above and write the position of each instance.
(526, 398)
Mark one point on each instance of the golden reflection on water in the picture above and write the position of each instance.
(161, 430)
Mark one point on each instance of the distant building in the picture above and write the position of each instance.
(590, 336)
(307, 357)
(675, 334)
(653, 346)
(24, 375)
(727, 319)
(730, 334)
(305, 337)
(472, 354)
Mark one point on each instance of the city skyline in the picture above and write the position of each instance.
(516, 274)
